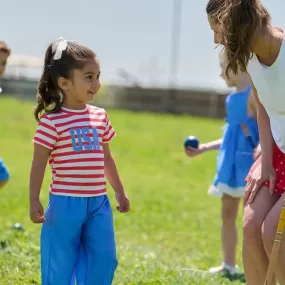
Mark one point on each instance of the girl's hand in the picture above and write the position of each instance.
(36, 211)
(263, 172)
(191, 151)
(123, 201)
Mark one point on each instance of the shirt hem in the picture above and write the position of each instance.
(78, 195)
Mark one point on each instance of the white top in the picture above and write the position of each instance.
(269, 82)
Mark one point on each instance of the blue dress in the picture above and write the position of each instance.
(235, 156)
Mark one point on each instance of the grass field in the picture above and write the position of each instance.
(173, 223)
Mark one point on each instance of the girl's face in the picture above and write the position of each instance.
(218, 39)
(84, 84)
(232, 80)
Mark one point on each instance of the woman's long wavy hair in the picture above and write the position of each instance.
(238, 21)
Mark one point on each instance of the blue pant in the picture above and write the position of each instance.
(4, 174)
(78, 237)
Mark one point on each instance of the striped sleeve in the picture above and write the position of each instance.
(109, 132)
(46, 134)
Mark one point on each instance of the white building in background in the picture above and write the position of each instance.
(22, 66)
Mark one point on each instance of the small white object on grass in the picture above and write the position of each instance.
(0, 90)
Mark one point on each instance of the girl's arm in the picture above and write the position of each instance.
(40, 159)
(113, 177)
(213, 145)
(111, 171)
(190, 151)
(252, 110)
(252, 104)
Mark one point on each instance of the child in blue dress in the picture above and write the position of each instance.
(4, 54)
(238, 149)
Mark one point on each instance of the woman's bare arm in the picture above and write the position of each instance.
(265, 135)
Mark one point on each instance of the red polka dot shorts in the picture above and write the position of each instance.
(279, 165)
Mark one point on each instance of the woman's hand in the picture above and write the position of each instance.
(262, 173)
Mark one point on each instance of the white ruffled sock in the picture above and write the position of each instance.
(232, 270)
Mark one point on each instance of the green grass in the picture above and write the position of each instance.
(173, 223)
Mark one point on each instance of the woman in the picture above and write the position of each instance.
(244, 28)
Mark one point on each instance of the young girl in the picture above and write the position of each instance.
(252, 43)
(235, 158)
(4, 54)
(74, 137)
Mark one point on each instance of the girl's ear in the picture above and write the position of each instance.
(63, 84)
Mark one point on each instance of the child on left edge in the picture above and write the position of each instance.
(74, 137)
(5, 52)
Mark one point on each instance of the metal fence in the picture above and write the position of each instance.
(193, 102)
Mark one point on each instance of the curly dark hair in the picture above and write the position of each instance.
(238, 21)
(48, 96)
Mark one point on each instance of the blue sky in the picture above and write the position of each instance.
(131, 34)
